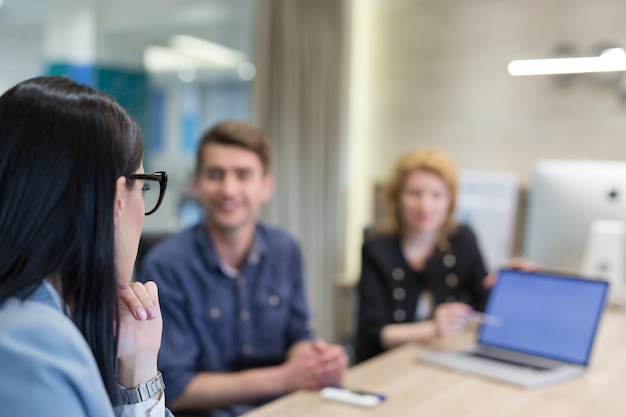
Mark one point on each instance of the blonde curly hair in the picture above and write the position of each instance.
(427, 159)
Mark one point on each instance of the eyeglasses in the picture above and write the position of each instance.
(153, 190)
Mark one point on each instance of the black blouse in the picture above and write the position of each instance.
(389, 289)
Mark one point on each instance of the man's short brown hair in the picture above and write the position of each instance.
(240, 134)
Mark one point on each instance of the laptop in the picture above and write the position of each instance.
(538, 329)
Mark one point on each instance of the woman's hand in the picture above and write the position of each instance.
(452, 318)
(141, 325)
(522, 264)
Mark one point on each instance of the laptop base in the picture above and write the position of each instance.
(524, 376)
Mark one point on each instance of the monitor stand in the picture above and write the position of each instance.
(604, 257)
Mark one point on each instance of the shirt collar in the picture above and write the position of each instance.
(257, 251)
(54, 294)
(47, 294)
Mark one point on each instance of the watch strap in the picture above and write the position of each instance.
(144, 391)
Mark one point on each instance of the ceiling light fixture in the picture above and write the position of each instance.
(610, 60)
(185, 52)
(159, 58)
(246, 71)
(217, 55)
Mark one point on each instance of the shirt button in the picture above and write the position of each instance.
(247, 350)
(452, 280)
(399, 315)
(399, 294)
(215, 312)
(241, 280)
(449, 260)
(397, 274)
(244, 315)
(274, 300)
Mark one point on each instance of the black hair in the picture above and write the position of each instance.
(63, 146)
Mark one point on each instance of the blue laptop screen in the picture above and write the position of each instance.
(543, 314)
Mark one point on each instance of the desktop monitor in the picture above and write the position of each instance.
(566, 198)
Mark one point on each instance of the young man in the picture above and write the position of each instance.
(232, 293)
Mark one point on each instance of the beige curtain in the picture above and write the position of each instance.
(298, 104)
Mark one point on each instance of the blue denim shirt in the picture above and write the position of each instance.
(221, 320)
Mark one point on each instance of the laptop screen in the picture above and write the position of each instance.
(544, 314)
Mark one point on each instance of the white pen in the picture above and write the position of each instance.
(344, 395)
(486, 319)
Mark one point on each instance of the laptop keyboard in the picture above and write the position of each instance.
(511, 361)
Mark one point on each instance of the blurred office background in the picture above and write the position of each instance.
(342, 88)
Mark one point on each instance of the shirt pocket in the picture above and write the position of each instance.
(216, 326)
(272, 317)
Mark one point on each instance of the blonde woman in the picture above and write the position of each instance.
(422, 274)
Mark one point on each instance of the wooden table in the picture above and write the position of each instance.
(418, 389)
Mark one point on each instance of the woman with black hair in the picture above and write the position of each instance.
(76, 337)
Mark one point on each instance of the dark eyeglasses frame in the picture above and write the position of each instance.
(161, 177)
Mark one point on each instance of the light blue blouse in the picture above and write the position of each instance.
(46, 367)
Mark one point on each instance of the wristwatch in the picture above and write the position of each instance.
(143, 392)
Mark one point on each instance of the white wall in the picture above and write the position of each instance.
(433, 72)
(21, 53)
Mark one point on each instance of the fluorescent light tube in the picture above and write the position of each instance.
(610, 60)
(209, 52)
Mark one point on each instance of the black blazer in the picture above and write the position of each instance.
(388, 289)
